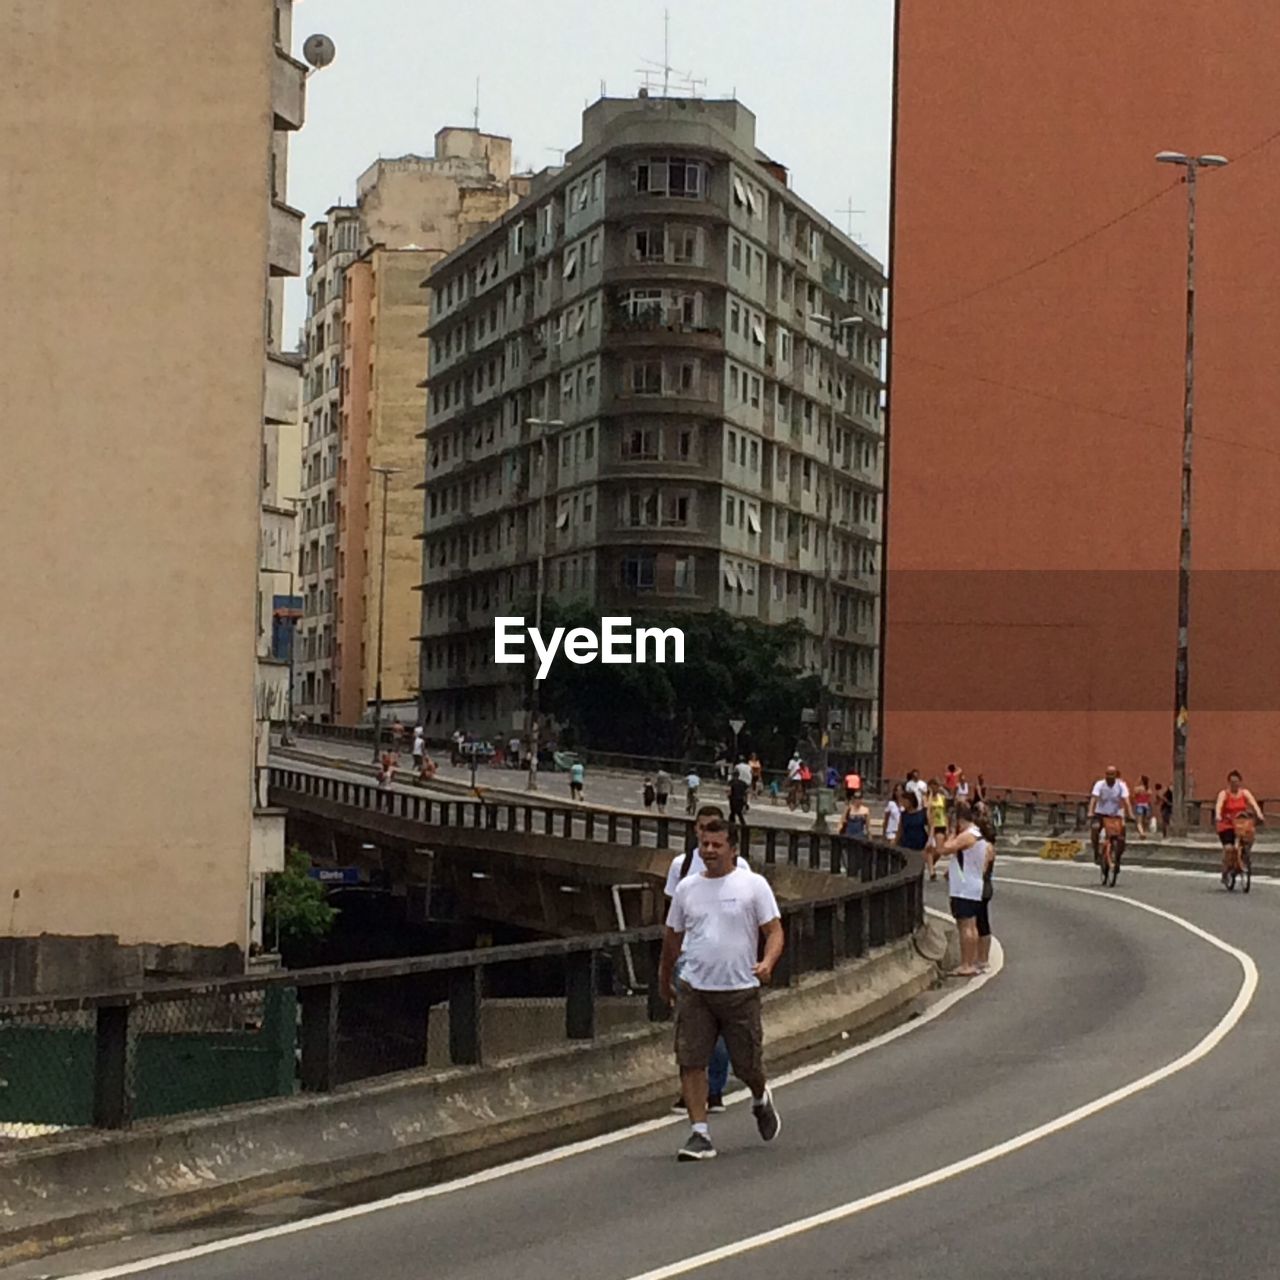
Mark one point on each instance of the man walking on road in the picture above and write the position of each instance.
(715, 923)
(738, 792)
(662, 789)
(682, 866)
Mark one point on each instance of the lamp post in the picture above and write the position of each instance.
(386, 473)
(833, 327)
(1193, 165)
(546, 426)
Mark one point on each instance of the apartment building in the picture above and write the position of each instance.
(151, 405)
(364, 401)
(703, 348)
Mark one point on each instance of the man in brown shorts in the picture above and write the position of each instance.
(714, 927)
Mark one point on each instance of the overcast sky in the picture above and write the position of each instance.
(817, 74)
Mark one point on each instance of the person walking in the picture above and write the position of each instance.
(892, 814)
(684, 865)
(513, 752)
(577, 776)
(939, 804)
(913, 830)
(794, 768)
(661, 789)
(757, 774)
(1166, 812)
(1142, 805)
(716, 924)
(743, 770)
(856, 819)
(419, 747)
(738, 793)
(971, 853)
(692, 783)
(648, 793)
(918, 788)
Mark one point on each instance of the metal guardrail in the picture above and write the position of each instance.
(108, 1059)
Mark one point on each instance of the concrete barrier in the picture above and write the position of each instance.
(78, 1188)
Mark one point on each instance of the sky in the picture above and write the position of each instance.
(816, 73)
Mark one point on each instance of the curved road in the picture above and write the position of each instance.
(1175, 1179)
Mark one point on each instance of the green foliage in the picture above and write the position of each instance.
(734, 667)
(297, 908)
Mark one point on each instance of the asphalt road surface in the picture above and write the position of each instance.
(1101, 1106)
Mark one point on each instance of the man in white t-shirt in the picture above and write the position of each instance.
(714, 927)
(1109, 799)
(742, 770)
(918, 787)
(682, 866)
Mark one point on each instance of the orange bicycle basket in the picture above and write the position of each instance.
(1246, 826)
(1113, 826)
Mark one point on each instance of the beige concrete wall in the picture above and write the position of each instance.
(399, 414)
(134, 177)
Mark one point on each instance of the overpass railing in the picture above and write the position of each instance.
(111, 1059)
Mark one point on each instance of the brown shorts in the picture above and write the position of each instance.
(701, 1016)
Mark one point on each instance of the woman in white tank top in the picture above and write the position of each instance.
(970, 852)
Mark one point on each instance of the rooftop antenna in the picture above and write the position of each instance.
(686, 83)
(475, 115)
(849, 212)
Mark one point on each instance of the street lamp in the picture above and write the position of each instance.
(386, 473)
(1193, 165)
(834, 328)
(546, 426)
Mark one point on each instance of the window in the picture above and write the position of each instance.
(755, 391)
(646, 378)
(753, 520)
(754, 462)
(757, 331)
(593, 314)
(688, 376)
(640, 442)
(517, 238)
(593, 249)
(731, 439)
(735, 318)
(733, 384)
(597, 185)
(571, 263)
(639, 303)
(684, 244)
(728, 511)
(638, 571)
(735, 252)
(739, 192)
(784, 345)
(589, 440)
(682, 577)
(675, 509)
(684, 444)
(648, 244)
(759, 261)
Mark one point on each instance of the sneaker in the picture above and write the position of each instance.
(697, 1147)
(678, 1105)
(768, 1121)
(715, 1103)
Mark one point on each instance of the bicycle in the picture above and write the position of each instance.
(1111, 848)
(1239, 868)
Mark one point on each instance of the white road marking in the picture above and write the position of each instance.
(840, 1212)
(935, 1010)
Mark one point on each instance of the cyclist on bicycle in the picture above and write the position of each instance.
(1109, 799)
(1235, 813)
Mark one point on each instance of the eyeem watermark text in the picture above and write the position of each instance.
(617, 642)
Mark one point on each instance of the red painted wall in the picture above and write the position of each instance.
(1035, 421)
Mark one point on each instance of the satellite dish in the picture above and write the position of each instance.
(318, 50)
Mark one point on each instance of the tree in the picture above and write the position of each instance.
(734, 667)
(297, 908)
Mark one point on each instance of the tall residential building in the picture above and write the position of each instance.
(364, 406)
(659, 296)
(1039, 269)
(147, 395)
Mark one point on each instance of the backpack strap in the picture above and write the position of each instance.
(686, 864)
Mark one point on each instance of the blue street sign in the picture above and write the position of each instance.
(335, 875)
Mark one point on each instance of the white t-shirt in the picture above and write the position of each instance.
(720, 918)
(920, 790)
(892, 816)
(696, 868)
(793, 769)
(417, 742)
(693, 782)
(743, 770)
(966, 881)
(1110, 798)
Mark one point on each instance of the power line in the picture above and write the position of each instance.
(1093, 410)
(1040, 262)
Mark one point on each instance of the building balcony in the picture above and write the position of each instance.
(628, 334)
(284, 240)
(288, 92)
(627, 208)
(698, 403)
(282, 402)
(660, 272)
